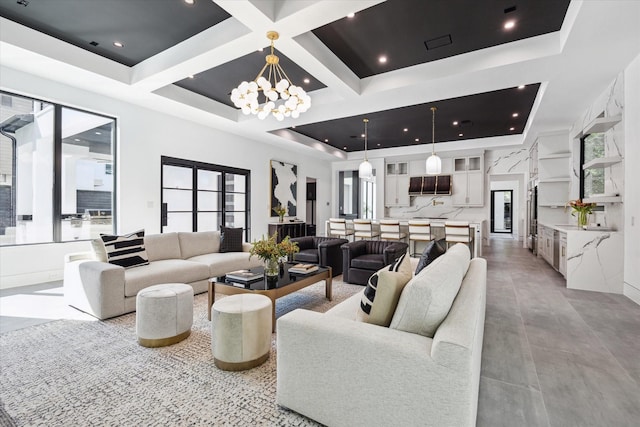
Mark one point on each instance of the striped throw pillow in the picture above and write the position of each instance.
(126, 251)
(382, 293)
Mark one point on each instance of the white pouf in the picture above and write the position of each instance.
(164, 314)
(241, 331)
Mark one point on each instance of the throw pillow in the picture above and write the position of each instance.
(427, 298)
(126, 251)
(383, 290)
(230, 239)
(433, 250)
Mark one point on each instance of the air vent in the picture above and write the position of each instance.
(466, 123)
(94, 43)
(438, 42)
(510, 9)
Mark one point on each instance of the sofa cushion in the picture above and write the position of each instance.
(163, 271)
(383, 290)
(220, 264)
(162, 246)
(427, 298)
(368, 262)
(202, 242)
(126, 251)
(99, 251)
(432, 251)
(230, 239)
(307, 255)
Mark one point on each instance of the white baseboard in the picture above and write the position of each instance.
(34, 278)
(632, 293)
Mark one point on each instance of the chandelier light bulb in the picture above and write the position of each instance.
(280, 97)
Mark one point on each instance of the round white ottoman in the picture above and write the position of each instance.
(241, 331)
(164, 314)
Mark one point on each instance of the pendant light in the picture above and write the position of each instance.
(434, 164)
(365, 171)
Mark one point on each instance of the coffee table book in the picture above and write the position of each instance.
(303, 268)
(244, 276)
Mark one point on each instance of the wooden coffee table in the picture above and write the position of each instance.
(285, 285)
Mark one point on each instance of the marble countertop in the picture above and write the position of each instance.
(571, 227)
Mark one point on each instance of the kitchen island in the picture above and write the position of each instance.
(590, 260)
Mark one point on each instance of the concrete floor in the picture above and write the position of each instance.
(551, 356)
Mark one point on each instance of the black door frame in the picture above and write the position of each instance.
(493, 212)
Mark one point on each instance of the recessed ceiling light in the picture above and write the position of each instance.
(118, 44)
(344, 148)
(514, 115)
(261, 49)
(382, 59)
(378, 145)
(77, 140)
(307, 81)
(460, 134)
(351, 15)
(362, 135)
(190, 2)
(191, 76)
(405, 130)
(521, 87)
(326, 140)
(417, 139)
(512, 128)
(455, 123)
(98, 133)
(509, 25)
(293, 127)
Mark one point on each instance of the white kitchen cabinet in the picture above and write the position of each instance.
(562, 265)
(396, 188)
(468, 181)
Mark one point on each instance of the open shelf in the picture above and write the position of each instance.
(602, 124)
(552, 204)
(555, 156)
(603, 199)
(556, 179)
(602, 162)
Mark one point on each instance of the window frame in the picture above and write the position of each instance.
(56, 206)
(224, 170)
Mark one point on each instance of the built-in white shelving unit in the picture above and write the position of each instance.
(601, 124)
(602, 162)
(603, 199)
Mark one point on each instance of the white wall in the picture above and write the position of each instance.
(143, 137)
(632, 178)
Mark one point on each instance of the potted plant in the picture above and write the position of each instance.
(581, 210)
(270, 251)
(280, 211)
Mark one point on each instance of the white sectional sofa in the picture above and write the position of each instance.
(342, 372)
(105, 290)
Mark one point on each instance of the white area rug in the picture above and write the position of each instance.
(79, 373)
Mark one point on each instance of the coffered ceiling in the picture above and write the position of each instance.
(457, 55)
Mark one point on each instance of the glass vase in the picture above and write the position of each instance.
(271, 269)
(583, 219)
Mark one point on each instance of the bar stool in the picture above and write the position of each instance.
(458, 232)
(338, 227)
(419, 231)
(364, 229)
(390, 230)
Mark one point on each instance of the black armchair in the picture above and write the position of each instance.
(324, 251)
(362, 258)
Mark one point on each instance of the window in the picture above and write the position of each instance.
(53, 181)
(591, 180)
(199, 196)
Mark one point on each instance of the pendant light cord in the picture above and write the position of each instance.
(365, 138)
(433, 131)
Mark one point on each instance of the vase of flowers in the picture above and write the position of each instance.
(271, 252)
(280, 211)
(582, 210)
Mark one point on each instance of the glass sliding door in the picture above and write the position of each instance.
(199, 196)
